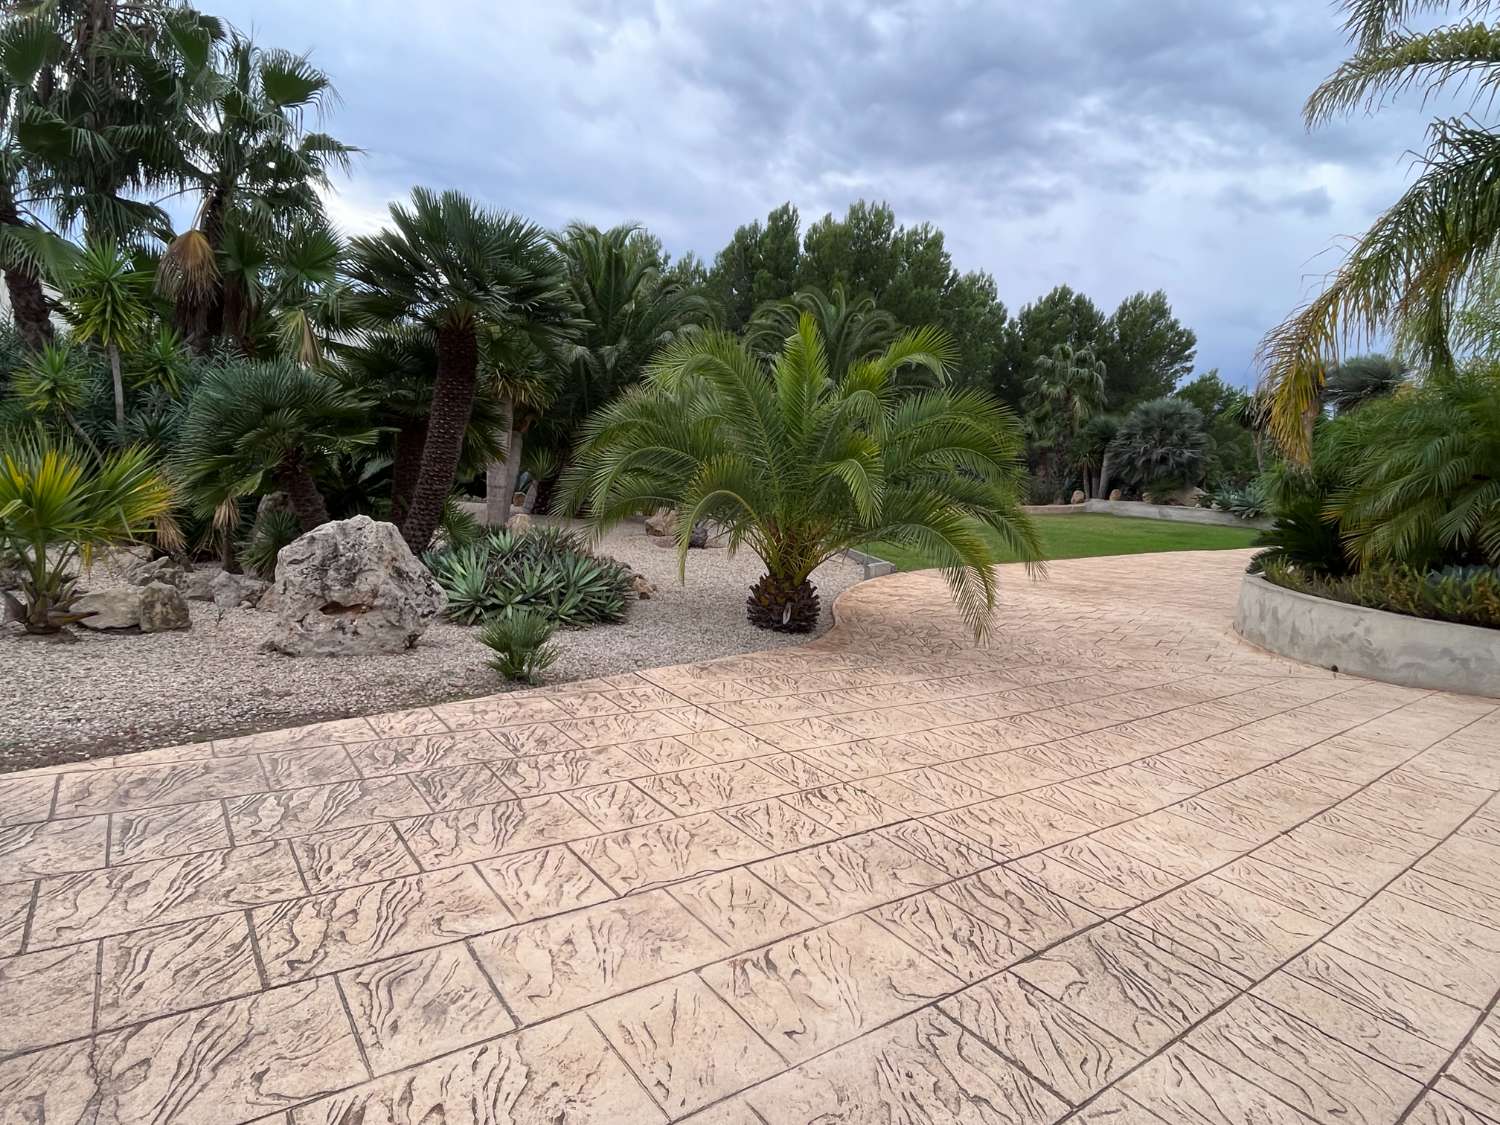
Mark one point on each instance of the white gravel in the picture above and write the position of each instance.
(111, 693)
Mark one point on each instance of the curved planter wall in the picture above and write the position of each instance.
(1391, 647)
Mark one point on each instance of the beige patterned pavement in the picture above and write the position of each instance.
(1116, 869)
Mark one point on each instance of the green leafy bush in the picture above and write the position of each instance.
(519, 639)
(545, 569)
(272, 531)
(1466, 595)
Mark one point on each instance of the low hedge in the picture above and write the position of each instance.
(1465, 595)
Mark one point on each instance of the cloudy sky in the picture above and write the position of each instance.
(1112, 145)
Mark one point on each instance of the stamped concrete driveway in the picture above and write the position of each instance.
(1116, 868)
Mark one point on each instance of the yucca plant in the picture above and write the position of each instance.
(519, 639)
(799, 462)
(106, 302)
(56, 509)
(52, 383)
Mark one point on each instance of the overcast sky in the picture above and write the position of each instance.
(1112, 145)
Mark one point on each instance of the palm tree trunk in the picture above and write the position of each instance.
(28, 303)
(302, 491)
(1104, 477)
(496, 495)
(114, 372)
(406, 464)
(452, 404)
(513, 464)
(227, 558)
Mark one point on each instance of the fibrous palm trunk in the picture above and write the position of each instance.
(406, 466)
(28, 303)
(302, 492)
(452, 404)
(783, 604)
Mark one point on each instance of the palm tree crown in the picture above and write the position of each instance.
(800, 462)
(1416, 268)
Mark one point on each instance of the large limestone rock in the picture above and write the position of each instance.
(351, 587)
(1078, 496)
(163, 608)
(662, 523)
(119, 608)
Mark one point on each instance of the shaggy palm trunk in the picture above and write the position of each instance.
(496, 477)
(114, 372)
(302, 493)
(452, 404)
(787, 605)
(406, 466)
(28, 304)
(227, 558)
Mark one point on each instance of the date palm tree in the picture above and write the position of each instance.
(799, 462)
(1413, 271)
(455, 269)
(851, 330)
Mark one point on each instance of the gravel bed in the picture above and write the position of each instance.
(113, 693)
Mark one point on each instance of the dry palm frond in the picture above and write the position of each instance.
(189, 268)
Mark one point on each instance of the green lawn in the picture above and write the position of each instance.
(1084, 536)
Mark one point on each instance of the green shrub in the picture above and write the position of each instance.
(272, 531)
(545, 569)
(519, 639)
(1466, 595)
(1161, 447)
(1247, 503)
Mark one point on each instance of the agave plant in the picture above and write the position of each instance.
(799, 462)
(56, 509)
(545, 569)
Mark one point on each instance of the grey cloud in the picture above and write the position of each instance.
(1110, 144)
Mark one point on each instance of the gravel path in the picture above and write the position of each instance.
(109, 693)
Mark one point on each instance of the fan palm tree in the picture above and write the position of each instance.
(1362, 379)
(56, 509)
(851, 330)
(1413, 271)
(800, 463)
(1065, 389)
(256, 425)
(106, 297)
(455, 269)
(254, 167)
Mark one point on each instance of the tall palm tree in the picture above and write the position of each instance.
(455, 269)
(1412, 272)
(253, 165)
(851, 330)
(800, 462)
(1065, 389)
(106, 301)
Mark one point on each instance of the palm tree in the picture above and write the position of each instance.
(454, 269)
(1412, 272)
(1361, 380)
(56, 509)
(851, 330)
(1064, 390)
(107, 302)
(254, 167)
(1161, 446)
(800, 463)
(256, 425)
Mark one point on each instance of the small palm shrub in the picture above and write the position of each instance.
(273, 530)
(545, 569)
(519, 639)
(1161, 446)
(57, 508)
